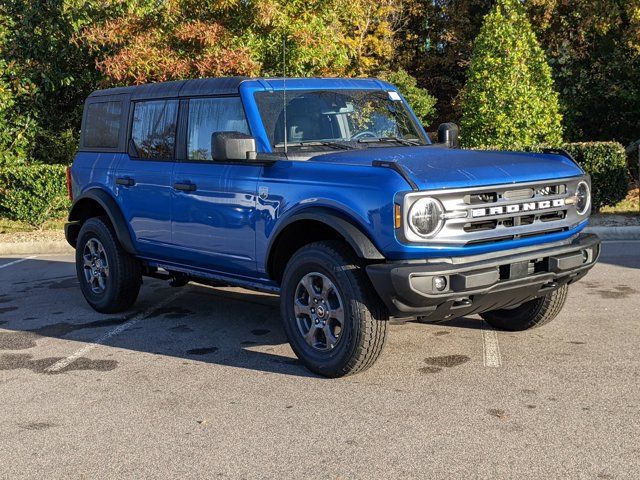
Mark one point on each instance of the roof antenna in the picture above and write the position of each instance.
(284, 88)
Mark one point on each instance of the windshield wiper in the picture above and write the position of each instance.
(402, 141)
(317, 143)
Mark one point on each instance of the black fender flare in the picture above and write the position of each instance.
(347, 228)
(112, 210)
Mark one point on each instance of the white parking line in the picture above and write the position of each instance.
(65, 362)
(490, 347)
(17, 261)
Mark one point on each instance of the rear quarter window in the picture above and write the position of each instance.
(154, 128)
(102, 125)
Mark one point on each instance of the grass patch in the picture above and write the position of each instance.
(13, 226)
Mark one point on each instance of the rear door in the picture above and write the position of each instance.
(143, 179)
(213, 202)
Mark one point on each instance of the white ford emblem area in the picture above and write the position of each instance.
(518, 208)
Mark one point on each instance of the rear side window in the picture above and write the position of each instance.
(102, 125)
(211, 115)
(154, 128)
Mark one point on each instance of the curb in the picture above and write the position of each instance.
(615, 233)
(37, 248)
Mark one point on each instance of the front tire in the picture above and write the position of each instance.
(334, 321)
(532, 314)
(109, 277)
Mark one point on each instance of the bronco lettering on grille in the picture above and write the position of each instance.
(517, 208)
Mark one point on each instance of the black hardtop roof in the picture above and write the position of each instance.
(198, 86)
(219, 86)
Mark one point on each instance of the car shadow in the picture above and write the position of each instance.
(234, 328)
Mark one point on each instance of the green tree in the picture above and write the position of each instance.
(437, 38)
(195, 38)
(422, 103)
(155, 41)
(509, 100)
(594, 50)
(47, 76)
(16, 127)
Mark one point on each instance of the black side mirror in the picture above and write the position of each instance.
(448, 134)
(234, 146)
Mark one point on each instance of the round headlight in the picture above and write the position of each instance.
(583, 198)
(425, 216)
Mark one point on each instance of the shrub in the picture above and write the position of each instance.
(57, 148)
(606, 162)
(33, 194)
(509, 99)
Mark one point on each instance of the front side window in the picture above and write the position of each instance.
(102, 126)
(208, 116)
(364, 116)
(154, 129)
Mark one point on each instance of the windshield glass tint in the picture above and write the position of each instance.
(336, 115)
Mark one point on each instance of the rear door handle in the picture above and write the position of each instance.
(125, 181)
(185, 186)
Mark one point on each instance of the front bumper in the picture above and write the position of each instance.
(483, 282)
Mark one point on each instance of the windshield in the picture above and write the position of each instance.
(328, 117)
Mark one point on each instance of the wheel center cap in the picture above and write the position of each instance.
(321, 311)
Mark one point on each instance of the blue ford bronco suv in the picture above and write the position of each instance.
(330, 193)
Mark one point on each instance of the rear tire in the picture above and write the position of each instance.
(334, 321)
(531, 314)
(109, 277)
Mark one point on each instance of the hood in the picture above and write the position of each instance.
(434, 167)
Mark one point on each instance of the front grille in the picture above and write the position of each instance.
(514, 221)
(506, 212)
(551, 190)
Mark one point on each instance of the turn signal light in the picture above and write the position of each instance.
(397, 215)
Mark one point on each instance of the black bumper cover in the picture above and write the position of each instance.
(481, 283)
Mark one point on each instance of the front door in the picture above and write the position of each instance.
(214, 203)
(143, 180)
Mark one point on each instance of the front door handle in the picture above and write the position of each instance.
(185, 187)
(125, 181)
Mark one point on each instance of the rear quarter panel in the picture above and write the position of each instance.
(94, 170)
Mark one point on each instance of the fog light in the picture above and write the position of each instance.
(585, 256)
(439, 283)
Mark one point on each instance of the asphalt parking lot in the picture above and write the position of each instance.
(199, 382)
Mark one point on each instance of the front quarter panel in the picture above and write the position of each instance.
(362, 194)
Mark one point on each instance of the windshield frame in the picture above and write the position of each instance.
(275, 146)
